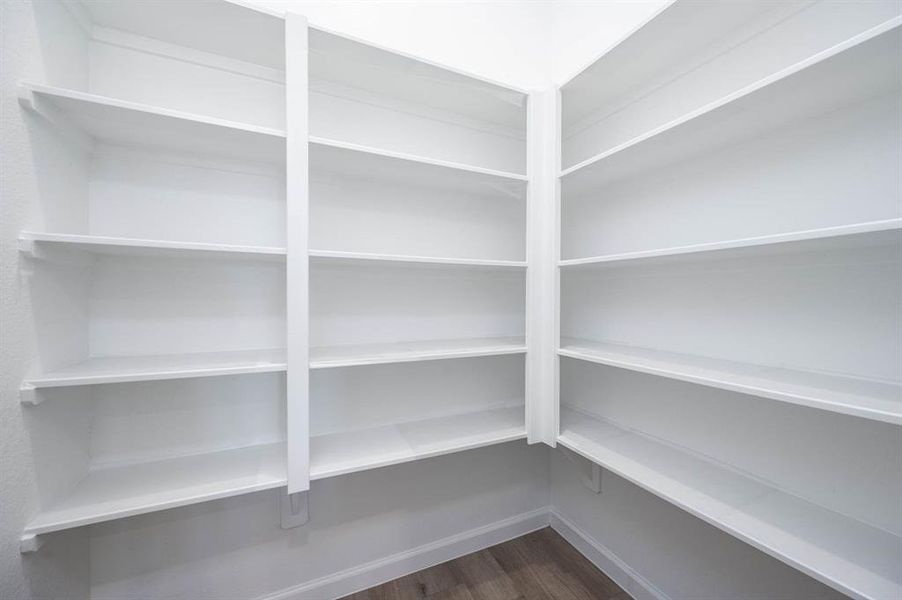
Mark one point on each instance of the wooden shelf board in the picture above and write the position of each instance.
(858, 235)
(850, 556)
(800, 91)
(133, 124)
(124, 369)
(37, 243)
(323, 357)
(352, 451)
(124, 491)
(869, 399)
(368, 258)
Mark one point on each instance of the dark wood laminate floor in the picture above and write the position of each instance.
(537, 566)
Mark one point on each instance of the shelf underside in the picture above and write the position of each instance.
(347, 452)
(123, 491)
(867, 66)
(853, 557)
(886, 234)
(870, 399)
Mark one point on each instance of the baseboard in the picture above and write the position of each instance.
(602, 557)
(397, 565)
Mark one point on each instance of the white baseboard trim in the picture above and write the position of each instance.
(403, 563)
(602, 557)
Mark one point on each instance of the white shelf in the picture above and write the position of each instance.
(124, 369)
(354, 159)
(850, 556)
(859, 235)
(351, 451)
(133, 124)
(869, 399)
(209, 27)
(385, 72)
(678, 31)
(43, 245)
(866, 65)
(335, 256)
(324, 357)
(124, 491)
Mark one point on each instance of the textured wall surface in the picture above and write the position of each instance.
(60, 571)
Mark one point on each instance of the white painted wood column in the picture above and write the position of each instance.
(543, 227)
(297, 264)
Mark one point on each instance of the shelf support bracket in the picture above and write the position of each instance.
(294, 509)
(71, 133)
(590, 472)
(28, 394)
(30, 542)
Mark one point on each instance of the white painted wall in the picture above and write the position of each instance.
(63, 571)
(235, 549)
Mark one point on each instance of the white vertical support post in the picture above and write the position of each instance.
(297, 264)
(542, 330)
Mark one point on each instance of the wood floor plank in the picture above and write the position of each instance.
(485, 578)
(538, 566)
(535, 573)
(577, 564)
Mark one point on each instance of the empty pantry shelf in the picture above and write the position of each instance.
(336, 256)
(347, 452)
(141, 125)
(123, 491)
(804, 89)
(872, 234)
(866, 398)
(364, 161)
(122, 369)
(61, 245)
(850, 556)
(323, 357)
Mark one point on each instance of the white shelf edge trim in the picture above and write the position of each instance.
(129, 369)
(741, 93)
(417, 159)
(30, 243)
(825, 233)
(755, 380)
(364, 257)
(325, 357)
